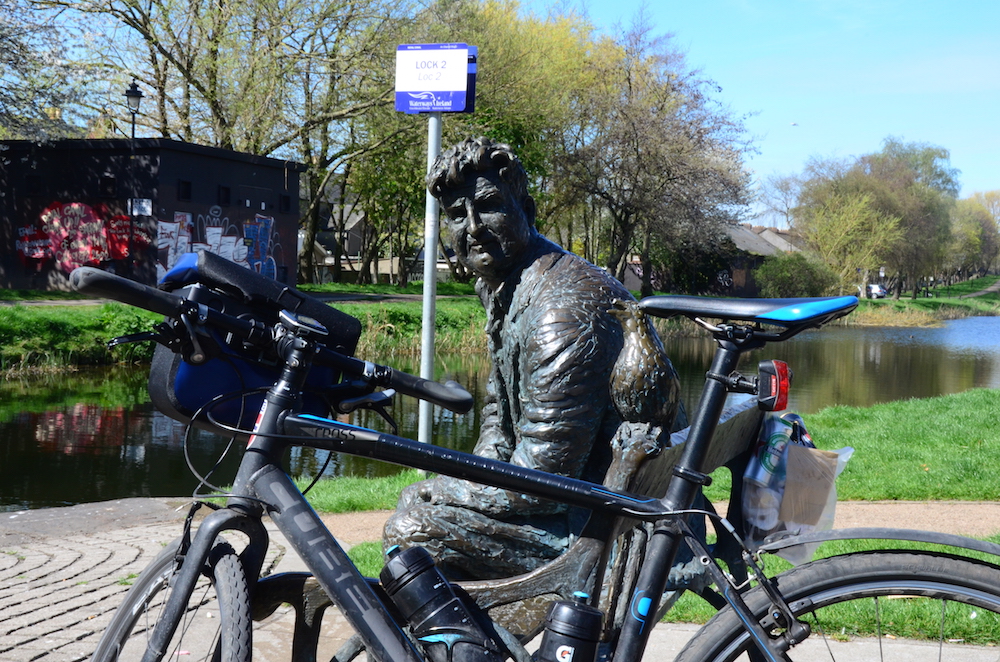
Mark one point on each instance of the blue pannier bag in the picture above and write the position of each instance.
(180, 388)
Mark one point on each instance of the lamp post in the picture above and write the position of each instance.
(133, 97)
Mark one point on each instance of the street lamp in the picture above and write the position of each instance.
(133, 97)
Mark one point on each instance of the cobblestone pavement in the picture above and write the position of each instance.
(58, 592)
(57, 595)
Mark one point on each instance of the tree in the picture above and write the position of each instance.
(779, 196)
(990, 200)
(912, 182)
(656, 155)
(279, 78)
(976, 242)
(850, 235)
(794, 275)
(41, 90)
(254, 76)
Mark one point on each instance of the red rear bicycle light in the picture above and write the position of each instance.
(773, 379)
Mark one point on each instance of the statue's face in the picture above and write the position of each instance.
(488, 228)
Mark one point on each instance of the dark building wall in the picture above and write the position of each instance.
(67, 204)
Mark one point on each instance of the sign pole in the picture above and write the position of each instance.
(426, 424)
(432, 79)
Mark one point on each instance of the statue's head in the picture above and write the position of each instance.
(483, 189)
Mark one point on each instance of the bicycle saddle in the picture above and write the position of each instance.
(781, 312)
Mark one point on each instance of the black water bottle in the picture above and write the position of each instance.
(572, 631)
(443, 624)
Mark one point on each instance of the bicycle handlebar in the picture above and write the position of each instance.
(93, 281)
(451, 395)
(89, 280)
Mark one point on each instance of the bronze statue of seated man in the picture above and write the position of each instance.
(572, 362)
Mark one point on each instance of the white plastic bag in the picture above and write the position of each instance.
(789, 485)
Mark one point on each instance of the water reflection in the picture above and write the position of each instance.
(93, 435)
(864, 366)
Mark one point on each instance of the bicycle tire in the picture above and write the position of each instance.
(889, 596)
(215, 625)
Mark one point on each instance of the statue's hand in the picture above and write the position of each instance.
(448, 491)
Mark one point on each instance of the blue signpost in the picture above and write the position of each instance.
(433, 79)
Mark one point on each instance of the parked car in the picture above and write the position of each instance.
(876, 291)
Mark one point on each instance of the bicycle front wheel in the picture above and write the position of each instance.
(215, 625)
(874, 605)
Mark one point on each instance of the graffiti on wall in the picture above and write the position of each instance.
(74, 234)
(252, 244)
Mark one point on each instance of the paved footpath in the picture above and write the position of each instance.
(59, 581)
(63, 571)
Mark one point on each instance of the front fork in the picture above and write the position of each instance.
(242, 513)
(193, 565)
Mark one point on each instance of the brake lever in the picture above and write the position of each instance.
(137, 337)
(378, 402)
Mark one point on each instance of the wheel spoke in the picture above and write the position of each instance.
(892, 604)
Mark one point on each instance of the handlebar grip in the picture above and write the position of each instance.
(89, 280)
(451, 395)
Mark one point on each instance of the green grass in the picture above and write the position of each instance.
(939, 448)
(944, 305)
(917, 619)
(967, 287)
(40, 336)
(39, 295)
(368, 557)
(352, 494)
(63, 336)
(928, 449)
(395, 326)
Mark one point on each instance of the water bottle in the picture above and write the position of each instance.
(572, 631)
(443, 624)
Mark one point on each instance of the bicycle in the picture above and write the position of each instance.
(761, 617)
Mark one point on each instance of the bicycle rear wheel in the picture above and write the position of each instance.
(874, 605)
(215, 625)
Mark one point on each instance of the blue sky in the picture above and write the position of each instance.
(833, 78)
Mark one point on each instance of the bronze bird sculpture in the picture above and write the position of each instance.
(644, 384)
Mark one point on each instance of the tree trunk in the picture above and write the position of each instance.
(310, 226)
(646, 289)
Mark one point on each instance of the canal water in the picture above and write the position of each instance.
(93, 435)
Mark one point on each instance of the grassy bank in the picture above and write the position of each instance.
(53, 336)
(412, 289)
(951, 302)
(394, 327)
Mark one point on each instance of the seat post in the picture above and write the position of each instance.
(682, 490)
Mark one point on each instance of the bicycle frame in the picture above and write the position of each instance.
(262, 485)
